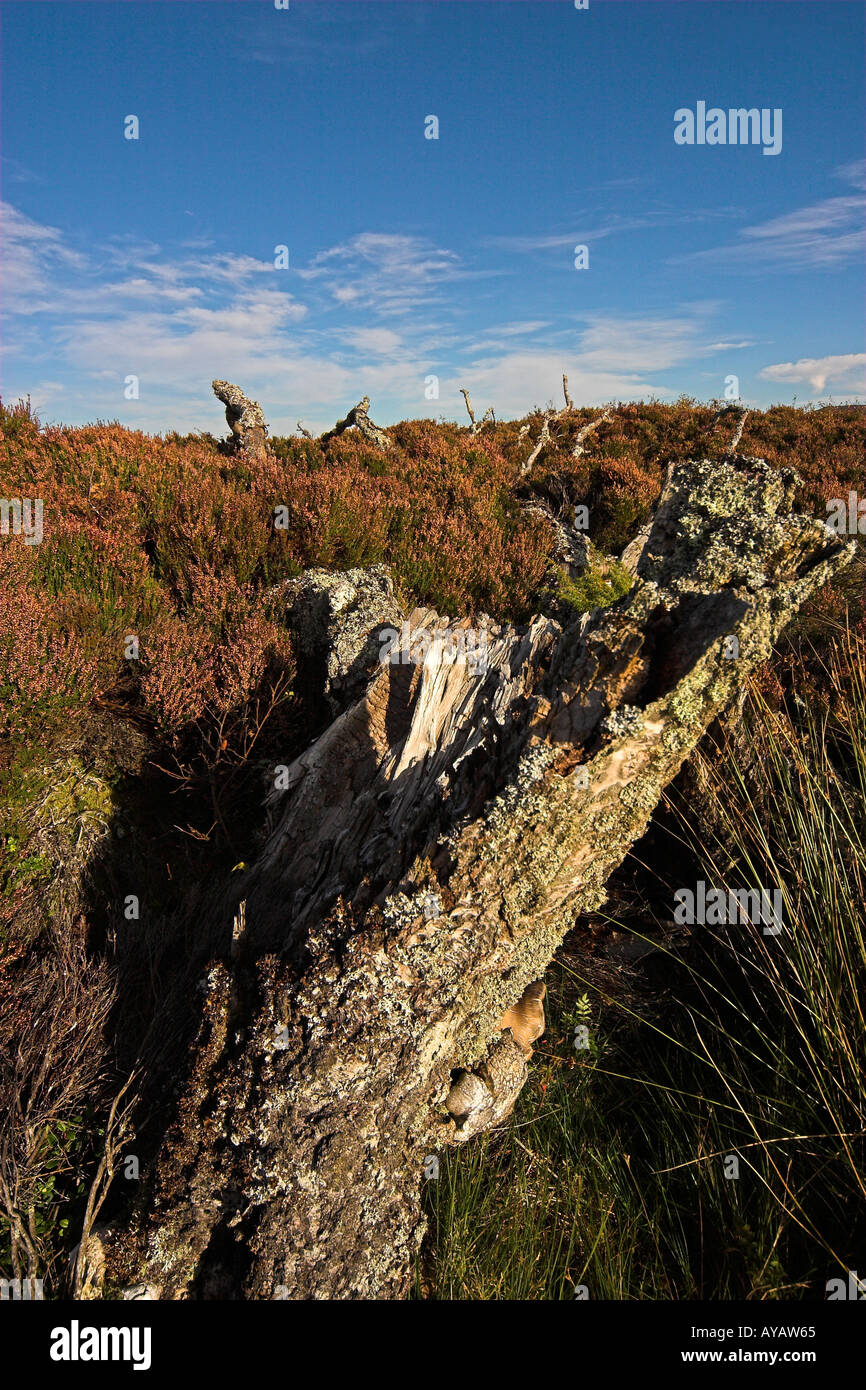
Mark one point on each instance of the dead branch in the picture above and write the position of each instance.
(725, 412)
(118, 1131)
(543, 439)
(549, 417)
(587, 430)
(738, 434)
(358, 416)
(488, 414)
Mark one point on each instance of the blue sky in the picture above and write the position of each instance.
(412, 257)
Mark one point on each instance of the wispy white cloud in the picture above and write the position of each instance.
(31, 252)
(387, 273)
(233, 270)
(377, 314)
(501, 335)
(517, 382)
(588, 227)
(821, 236)
(643, 344)
(853, 173)
(321, 35)
(731, 347)
(383, 342)
(845, 373)
(614, 357)
(18, 172)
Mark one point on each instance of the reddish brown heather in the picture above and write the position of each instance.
(172, 541)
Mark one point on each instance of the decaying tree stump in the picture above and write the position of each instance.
(427, 855)
(244, 418)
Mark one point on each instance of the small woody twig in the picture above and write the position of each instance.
(552, 415)
(118, 1128)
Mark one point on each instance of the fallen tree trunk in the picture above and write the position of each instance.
(427, 855)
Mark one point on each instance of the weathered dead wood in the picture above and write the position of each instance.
(358, 416)
(727, 412)
(476, 425)
(427, 856)
(549, 417)
(583, 434)
(543, 438)
(245, 419)
(738, 433)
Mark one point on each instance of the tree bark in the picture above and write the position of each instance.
(428, 854)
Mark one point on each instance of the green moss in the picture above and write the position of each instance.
(598, 588)
(51, 816)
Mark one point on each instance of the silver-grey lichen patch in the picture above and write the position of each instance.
(686, 705)
(534, 763)
(639, 795)
(623, 722)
